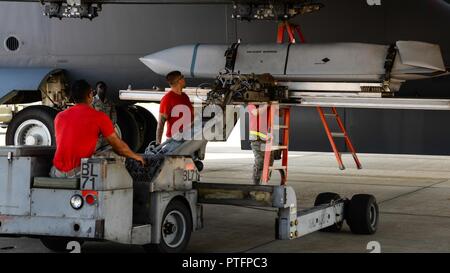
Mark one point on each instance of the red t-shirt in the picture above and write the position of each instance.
(77, 130)
(168, 103)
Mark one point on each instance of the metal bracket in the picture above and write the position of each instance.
(10, 157)
(388, 65)
(230, 56)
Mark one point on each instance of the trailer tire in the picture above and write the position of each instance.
(129, 129)
(176, 219)
(58, 244)
(35, 123)
(363, 214)
(327, 198)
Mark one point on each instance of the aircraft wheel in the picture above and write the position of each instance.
(176, 229)
(327, 198)
(363, 214)
(147, 127)
(128, 127)
(32, 126)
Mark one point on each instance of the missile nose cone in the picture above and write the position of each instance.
(175, 58)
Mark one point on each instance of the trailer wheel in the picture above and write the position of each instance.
(327, 198)
(176, 228)
(128, 127)
(32, 126)
(58, 244)
(363, 214)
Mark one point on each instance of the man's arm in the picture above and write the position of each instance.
(160, 128)
(121, 148)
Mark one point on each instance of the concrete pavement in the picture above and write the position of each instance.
(413, 193)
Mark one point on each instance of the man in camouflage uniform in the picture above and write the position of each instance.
(103, 104)
(258, 118)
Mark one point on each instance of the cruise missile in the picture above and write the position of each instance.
(331, 62)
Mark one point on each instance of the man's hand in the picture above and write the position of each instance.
(140, 159)
(121, 148)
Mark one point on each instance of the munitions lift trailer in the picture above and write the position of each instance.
(156, 206)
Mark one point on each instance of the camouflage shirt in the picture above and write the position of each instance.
(106, 107)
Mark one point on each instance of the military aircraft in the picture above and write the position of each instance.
(41, 55)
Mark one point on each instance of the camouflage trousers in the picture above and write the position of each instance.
(55, 173)
(258, 148)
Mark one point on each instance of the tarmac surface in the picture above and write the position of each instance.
(413, 193)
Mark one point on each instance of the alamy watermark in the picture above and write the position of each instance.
(215, 123)
(374, 247)
(374, 2)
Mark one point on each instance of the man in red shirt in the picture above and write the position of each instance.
(172, 104)
(77, 130)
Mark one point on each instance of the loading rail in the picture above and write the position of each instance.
(346, 99)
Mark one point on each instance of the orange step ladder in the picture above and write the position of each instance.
(291, 29)
(342, 134)
(275, 126)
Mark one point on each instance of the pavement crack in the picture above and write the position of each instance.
(412, 192)
(413, 214)
(258, 246)
(7, 248)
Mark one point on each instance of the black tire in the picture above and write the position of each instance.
(327, 198)
(44, 114)
(199, 165)
(128, 126)
(147, 127)
(363, 214)
(180, 208)
(58, 244)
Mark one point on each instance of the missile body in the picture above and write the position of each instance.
(334, 62)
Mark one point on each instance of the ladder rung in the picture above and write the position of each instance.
(274, 148)
(280, 127)
(278, 168)
(330, 115)
(334, 134)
